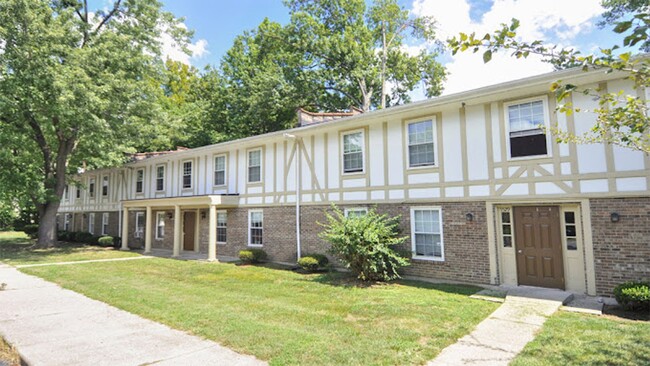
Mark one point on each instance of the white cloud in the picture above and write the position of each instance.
(171, 50)
(556, 21)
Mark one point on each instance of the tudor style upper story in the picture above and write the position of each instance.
(481, 144)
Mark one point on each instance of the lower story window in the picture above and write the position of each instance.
(255, 227)
(105, 223)
(221, 226)
(426, 233)
(160, 225)
(91, 223)
(66, 222)
(139, 224)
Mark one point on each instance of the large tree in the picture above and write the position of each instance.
(75, 85)
(356, 55)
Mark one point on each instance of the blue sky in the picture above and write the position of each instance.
(563, 22)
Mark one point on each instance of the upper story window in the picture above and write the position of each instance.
(78, 190)
(105, 186)
(426, 233)
(526, 123)
(91, 187)
(255, 166)
(420, 143)
(66, 192)
(353, 152)
(139, 181)
(160, 177)
(220, 170)
(187, 174)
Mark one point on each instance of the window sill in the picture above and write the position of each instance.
(258, 183)
(221, 243)
(430, 259)
(532, 157)
(424, 167)
(351, 174)
(255, 245)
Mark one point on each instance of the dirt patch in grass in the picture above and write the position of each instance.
(617, 312)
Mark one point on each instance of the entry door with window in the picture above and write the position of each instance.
(189, 220)
(538, 242)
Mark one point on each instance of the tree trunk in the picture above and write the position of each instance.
(47, 225)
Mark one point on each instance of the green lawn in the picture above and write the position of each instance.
(582, 339)
(282, 316)
(16, 248)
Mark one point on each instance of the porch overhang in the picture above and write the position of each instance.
(188, 202)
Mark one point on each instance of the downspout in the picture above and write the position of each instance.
(298, 172)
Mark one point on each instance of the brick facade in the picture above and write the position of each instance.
(621, 249)
(80, 222)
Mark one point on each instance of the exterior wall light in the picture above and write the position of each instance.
(615, 217)
(469, 216)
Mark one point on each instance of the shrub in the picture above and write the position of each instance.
(321, 258)
(31, 230)
(252, 255)
(117, 242)
(62, 235)
(633, 295)
(365, 244)
(83, 237)
(94, 240)
(105, 241)
(309, 263)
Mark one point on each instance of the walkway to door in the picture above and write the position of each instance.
(500, 337)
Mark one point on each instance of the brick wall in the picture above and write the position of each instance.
(621, 249)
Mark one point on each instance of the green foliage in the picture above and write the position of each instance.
(31, 230)
(308, 263)
(633, 295)
(366, 244)
(105, 241)
(252, 255)
(622, 119)
(313, 262)
(83, 237)
(75, 85)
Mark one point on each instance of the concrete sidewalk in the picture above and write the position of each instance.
(498, 339)
(52, 326)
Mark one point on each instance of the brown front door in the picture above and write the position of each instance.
(188, 230)
(538, 242)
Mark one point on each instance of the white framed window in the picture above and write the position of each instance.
(255, 227)
(187, 174)
(66, 222)
(66, 192)
(91, 223)
(426, 233)
(255, 166)
(160, 178)
(421, 139)
(77, 188)
(160, 225)
(222, 223)
(91, 187)
(570, 230)
(105, 217)
(139, 225)
(139, 181)
(105, 186)
(353, 146)
(220, 170)
(526, 123)
(355, 211)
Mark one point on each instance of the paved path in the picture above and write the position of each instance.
(500, 337)
(82, 262)
(52, 326)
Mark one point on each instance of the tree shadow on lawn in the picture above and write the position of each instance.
(616, 311)
(344, 279)
(24, 250)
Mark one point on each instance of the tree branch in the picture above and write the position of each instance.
(108, 16)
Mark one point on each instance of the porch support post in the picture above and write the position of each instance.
(125, 229)
(147, 231)
(177, 231)
(212, 236)
(197, 222)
